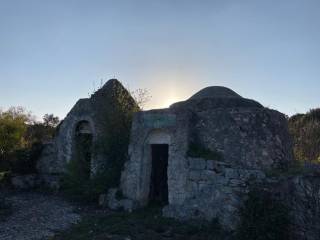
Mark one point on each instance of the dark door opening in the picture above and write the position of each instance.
(159, 177)
(83, 155)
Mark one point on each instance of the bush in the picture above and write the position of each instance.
(78, 187)
(305, 130)
(313, 114)
(263, 218)
(21, 140)
(198, 151)
(114, 117)
(13, 126)
(25, 160)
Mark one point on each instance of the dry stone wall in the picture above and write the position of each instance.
(250, 139)
(214, 190)
(109, 104)
(303, 197)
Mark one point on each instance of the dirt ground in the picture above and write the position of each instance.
(36, 216)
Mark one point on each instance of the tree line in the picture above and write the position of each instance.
(22, 138)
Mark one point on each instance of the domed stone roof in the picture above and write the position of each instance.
(215, 92)
(215, 97)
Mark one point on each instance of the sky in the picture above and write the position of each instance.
(53, 52)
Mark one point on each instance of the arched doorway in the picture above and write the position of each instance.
(82, 154)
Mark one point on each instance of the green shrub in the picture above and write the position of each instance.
(13, 126)
(114, 117)
(305, 131)
(313, 114)
(24, 160)
(80, 188)
(263, 218)
(21, 140)
(198, 151)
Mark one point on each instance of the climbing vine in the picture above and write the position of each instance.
(113, 108)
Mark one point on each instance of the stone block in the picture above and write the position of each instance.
(203, 186)
(221, 180)
(195, 175)
(192, 187)
(113, 203)
(210, 164)
(207, 175)
(227, 190)
(231, 173)
(236, 183)
(197, 163)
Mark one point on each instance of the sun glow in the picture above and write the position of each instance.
(163, 102)
(169, 88)
(167, 102)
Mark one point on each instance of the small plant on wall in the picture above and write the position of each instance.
(196, 150)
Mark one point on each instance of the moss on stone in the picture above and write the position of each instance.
(199, 151)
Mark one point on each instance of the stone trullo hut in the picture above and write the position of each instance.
(84, 135)
(197, 157)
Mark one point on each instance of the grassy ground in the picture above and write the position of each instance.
(146, 224)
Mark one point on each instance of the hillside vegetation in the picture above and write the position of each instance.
(21, 139)
(305, 129)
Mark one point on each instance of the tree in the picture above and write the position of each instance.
(141, 96)
(22, 138)
(11, 134)
(305, 130)
(50, 120)
(13, 126)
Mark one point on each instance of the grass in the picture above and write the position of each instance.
(142, 224)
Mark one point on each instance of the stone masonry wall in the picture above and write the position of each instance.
(304, 201)
(96, 113)
(214, 190)
(251, 141)
(57, 154)
(250, 138)
(136, 176)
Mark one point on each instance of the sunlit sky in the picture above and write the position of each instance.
(53, 52)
